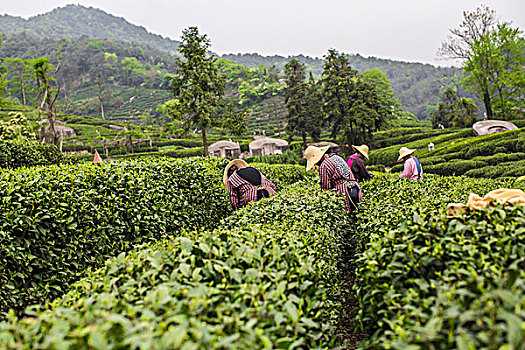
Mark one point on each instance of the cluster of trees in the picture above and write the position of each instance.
(493, 56)
(350, 104)
(198, 90)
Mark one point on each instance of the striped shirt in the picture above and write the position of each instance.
(243, 192)
(331, 178)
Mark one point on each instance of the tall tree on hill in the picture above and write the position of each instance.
(454, 110)
(384, 89)
(21, 70)
(353, 106)
(337, 80)
(493, 56)
(314, 107)
(198, 86)
(295, 99)
(3, 83)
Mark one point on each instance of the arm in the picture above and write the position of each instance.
(268, 183)
(361, 170)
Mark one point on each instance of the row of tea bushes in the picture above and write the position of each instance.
(26, 153)
(56, 221)
(447, 283)
(265, 279)
(422, 280)
(469, 156)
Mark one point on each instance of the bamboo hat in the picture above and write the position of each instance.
(313, 155)
(363, 149)
(239, 163)
(403, 152)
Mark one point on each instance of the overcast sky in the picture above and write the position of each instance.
(405, 30)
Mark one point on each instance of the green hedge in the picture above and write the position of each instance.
(25, 153)
(288, 157)
(266, 279)
(57, 221)
(439, 283)
(401, 226)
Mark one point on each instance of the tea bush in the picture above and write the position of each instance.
(446, 283)
(26, 153)
(419, 271)
(57, 221)
(265, 279)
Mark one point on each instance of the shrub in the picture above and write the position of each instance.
(446, 283)
(25, 153)
(57, 221)
(265, 279)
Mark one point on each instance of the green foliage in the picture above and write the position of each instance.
(454, 111)
(303, 101)
(489, 156)
(16, 127)
(73, 217)
(352, 105)
(288, 157)
(26, 153)
(264, 279)
(439, 282)
(199, 87)
(384, 89)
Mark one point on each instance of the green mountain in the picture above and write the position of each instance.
(89, 35)
(74, 21)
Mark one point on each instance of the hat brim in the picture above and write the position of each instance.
(239, 163)
(316, 158)
(359, 151)
(401, 156)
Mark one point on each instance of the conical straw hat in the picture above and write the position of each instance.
(239, 163)
(403, 152)
(313, 155)
(363, 149)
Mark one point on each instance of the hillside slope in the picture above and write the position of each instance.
(74, 21)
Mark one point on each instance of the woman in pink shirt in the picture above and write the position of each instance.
(412, 169)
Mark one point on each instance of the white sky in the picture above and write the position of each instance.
(405, 30)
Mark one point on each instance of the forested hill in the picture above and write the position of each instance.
(416, 85)
(74, 21)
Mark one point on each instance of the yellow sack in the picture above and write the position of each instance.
(501, 196)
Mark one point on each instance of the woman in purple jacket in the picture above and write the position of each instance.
(357, 164)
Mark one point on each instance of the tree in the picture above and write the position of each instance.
(384, 89)
(295, 99)
(314, 108)
(48, 92)
(506, 48)
(353, 106)
(454, 111)
(337, 81)
(3, 83)
(198, 86)
(493, 58)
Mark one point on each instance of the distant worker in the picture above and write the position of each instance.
(431, 147)
(334, 174)
(412, 169)
(357, 164)
(246, 184)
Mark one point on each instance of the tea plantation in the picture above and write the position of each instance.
(161, 262)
